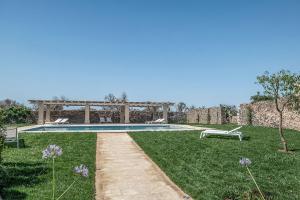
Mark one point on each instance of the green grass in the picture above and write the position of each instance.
(210, 169)
(27, 176)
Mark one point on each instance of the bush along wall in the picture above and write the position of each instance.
(16, 114)
(2, 138)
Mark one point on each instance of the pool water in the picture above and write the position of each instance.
(104, 128)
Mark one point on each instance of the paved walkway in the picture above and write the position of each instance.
(124, 172)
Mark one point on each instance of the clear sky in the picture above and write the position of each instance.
(201, 52)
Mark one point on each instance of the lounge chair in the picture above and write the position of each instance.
(55, 122)
(102, 120)
(64, 121)
(158, 121)
(108, 120)
(233, 132)
(12, 135)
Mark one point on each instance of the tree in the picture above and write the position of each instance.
(123, 97)
(181, 107)
(16, 114)
(284, 88)
(110, 97)
(258, 97)
(192, 107)
(58, 107)
(230, 111)
(8, 103)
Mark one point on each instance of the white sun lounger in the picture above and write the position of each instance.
(233, 132)
(158, 121)
(64, 121)
(55, 122)
(108, 120)
(102, 120)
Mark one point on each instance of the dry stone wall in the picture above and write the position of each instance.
(265, 114)
(203, 116)
(193, 116)
(214, 115)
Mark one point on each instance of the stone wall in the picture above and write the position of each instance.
(214, 115)
(244, 114)
(193, 116)
(265, 114)
(233, 120)
(203, 116)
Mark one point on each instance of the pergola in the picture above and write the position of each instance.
(124, 105)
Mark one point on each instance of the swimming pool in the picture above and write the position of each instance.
(107, 128)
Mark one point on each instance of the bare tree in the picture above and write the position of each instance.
(181, 107)
(8, 103)
(58, 107)
(124, 97)
(110, 98)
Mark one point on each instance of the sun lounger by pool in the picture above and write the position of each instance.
(158, 121)
(64, 121)
(102, 120)
(55, 122)
(108, 120)
(233, 132)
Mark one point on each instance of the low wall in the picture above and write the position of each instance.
(265, 114)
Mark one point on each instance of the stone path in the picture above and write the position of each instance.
(124, 172)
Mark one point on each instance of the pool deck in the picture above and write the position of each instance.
(125, 172)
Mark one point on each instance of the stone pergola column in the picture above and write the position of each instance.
(165, 112)
(122, 114)
(126, 114)
(87, 114)
(48, 115)
(41, 113)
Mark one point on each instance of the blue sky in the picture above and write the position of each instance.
(201, 52)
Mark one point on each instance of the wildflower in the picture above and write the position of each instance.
(245, 161)
(82, 170)
(52, 151)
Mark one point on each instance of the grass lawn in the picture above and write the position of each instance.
(209, 168)
(27, 176)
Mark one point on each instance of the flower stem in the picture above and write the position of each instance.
(66, 189)
(53, 179)
(255, 183)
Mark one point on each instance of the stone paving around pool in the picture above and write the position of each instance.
(125, 172)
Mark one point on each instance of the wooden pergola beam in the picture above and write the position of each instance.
(124, 107)
(101, 103)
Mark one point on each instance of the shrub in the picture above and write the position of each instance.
(249, 115)
(2, 138)
(16, 114)
(229, 111)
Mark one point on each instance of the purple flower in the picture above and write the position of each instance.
(52, 151)
(82, 170)
(245, 162)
